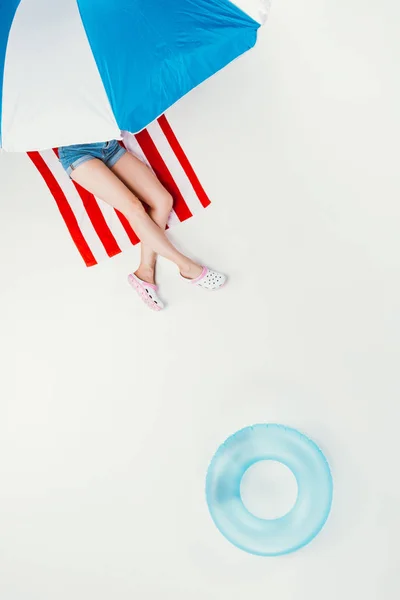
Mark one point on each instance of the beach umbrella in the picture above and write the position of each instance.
(80, 71)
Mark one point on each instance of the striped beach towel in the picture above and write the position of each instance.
(98, 230)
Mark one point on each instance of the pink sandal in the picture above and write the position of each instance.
(208, 280)
(147, 292)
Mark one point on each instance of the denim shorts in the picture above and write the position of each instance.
(73, 156)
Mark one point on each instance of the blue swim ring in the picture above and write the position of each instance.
(269, 537)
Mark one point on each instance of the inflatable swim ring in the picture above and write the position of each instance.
(269, 537)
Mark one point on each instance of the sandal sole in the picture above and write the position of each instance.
(143, 294)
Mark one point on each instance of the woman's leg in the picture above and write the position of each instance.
(97, 178)
(145, 185)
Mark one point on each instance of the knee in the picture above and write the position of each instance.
(167, 202)
(162, 202)
(135, 208)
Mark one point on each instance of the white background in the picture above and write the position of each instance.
(110, 414)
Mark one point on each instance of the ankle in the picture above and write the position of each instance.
(146, 273)
(190, 270)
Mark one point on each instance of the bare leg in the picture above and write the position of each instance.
(97, 178)
(145, 185)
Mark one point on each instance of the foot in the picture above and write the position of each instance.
(147, 291)
(208, 279)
